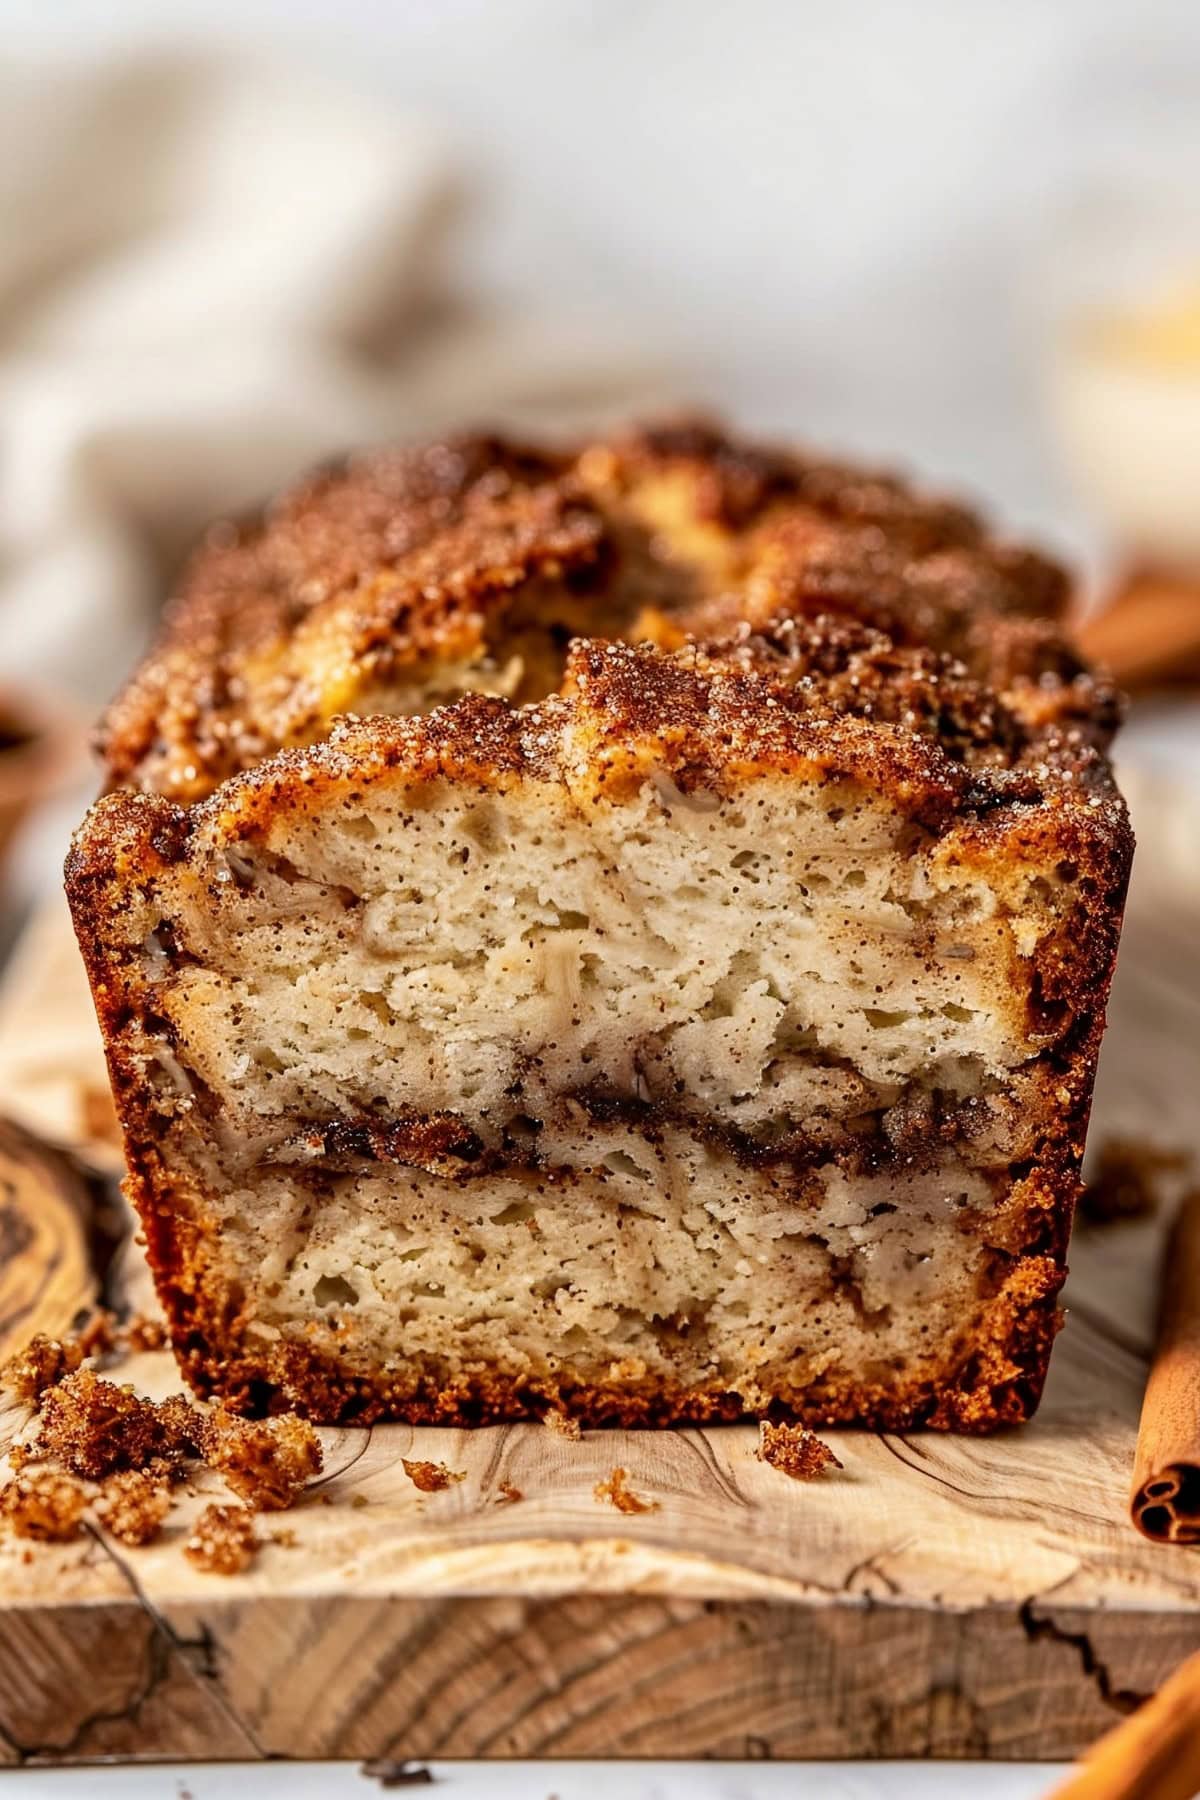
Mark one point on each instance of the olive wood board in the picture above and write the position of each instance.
(941, 1596)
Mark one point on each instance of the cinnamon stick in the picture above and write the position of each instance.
(1149, 632)
(1152, 1755)
(1165, 1501)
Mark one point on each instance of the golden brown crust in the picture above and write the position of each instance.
(366, 581)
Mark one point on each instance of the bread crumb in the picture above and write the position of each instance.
(143, 1333)
(40, 1365)
(431, 1477)
(184, 1425)
(94, 1427)
(44, 1504)
(99, 1333)
(284, 1536)
(134, 1504)
(267, 1462)
(358, 1501)
(794, 1451)
(623, 1498)
(223, 1540)
(507, 1494)
(562, 1425)
(1126, 1182)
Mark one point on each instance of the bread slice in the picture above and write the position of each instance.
(716, 1037)
(404, 578)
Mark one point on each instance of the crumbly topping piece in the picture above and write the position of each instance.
(94, 1427)
(134, 1504)
(431, 1477)
(562, 1425)
(1127, 1181)
(44, 1504)
(794, 1451)
(618, 1494)
(40, 1365)
(185, 1427)
(223, 1540)
(142, 1333)
(265, 1461)
(507, 1494)
(99, 1335)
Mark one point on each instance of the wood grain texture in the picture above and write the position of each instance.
(49, 1211)
(939, 1596)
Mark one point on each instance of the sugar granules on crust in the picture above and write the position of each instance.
(223, 1540)
(615, 1491)
(794, 1451)
(431, 1477)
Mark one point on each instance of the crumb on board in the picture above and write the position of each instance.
(618, 1494)
(794, 1451)
(284, 1536)
(431, 1477)
(390, 1774)
(507, 1494)
(223, 1540)
(98, 1334)
(267, 1462)
(143, 1333)
(134, 1505)
(1126, 1180)
(93, 1427)
(358, 1501)
(43, 1504)
(40, 1365)
(562, 1425)
(184, 1425)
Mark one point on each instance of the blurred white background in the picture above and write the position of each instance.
(833, 220)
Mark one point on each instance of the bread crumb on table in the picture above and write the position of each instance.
(134, 1504)
(267, 1462)
(794, 1451)
(43, 1362)
(44, 1504)
(431, 1477)
(507, 1494)
(94, 1427)
(223, 1540)
(615, 1491)
(562, 1425)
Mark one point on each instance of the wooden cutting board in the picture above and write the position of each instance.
(939, 1597)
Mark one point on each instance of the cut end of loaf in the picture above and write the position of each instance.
(714, 1038)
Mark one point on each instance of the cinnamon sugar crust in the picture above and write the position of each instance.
(404, 578)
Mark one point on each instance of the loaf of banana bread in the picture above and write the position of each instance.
(712, 1033)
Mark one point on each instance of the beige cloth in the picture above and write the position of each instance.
(212, 274)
